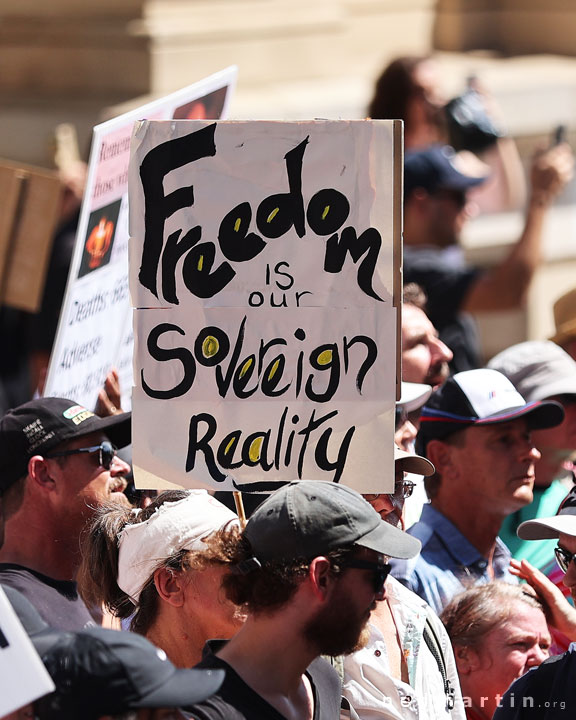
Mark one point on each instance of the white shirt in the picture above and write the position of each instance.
(375, 694)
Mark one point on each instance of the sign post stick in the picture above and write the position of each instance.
(240, 508)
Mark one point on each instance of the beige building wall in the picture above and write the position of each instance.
(82, 61)
(512, 27)
(71, 60)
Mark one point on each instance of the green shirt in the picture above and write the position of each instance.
(545, 504)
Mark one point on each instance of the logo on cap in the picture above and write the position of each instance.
(77, 414)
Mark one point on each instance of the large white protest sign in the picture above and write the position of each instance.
(23, 675)
(95, 329)
(262, 270)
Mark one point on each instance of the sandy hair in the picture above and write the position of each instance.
(471, 615)
(97, 577)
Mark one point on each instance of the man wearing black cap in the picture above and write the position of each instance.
(100, 674)
(309, 567)
(58, 462)
(436, 206)
(475, 429)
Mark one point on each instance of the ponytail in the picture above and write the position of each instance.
(98, 574)
(97, 577)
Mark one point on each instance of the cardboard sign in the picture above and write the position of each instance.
(95, 328)
(30, 211)
(263, 274)
(24, 677)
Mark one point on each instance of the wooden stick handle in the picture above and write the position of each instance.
(240, 508)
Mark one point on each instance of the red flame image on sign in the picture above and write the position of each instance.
(99, 241)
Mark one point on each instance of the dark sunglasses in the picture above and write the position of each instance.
(380, 570)
(107, 453)
(563, 558)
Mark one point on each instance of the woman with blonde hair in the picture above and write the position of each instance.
(162, 568)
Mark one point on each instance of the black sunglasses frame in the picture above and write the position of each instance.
(563, 558)
(107, 453)
(380, 570)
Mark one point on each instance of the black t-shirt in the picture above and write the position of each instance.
(57, 601)
(446, 284)
(237, 701)
(547, 692)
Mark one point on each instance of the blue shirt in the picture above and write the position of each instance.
(448, 563)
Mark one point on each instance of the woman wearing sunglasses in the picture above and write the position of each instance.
(161, 568)
(562, 528)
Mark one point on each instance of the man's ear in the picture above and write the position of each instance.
(39, 470)
(170, 586)
(467, 660)
(419, 199)
(321, 578)
(439, 455)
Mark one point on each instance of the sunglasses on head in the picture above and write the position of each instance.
(563, 558)
(380, 570)
(107, 453)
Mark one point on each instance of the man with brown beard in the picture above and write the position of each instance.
(310, 567)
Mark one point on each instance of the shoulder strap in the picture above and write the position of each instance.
(431, 640)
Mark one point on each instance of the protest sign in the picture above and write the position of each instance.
(31, 199)
(24, 677)
(263, 275)
(95, 328)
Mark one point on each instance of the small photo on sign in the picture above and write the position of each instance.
(207, 107)
(99, 238)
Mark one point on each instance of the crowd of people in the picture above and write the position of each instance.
(449, 597)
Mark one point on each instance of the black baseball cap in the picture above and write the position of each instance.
(105, 672)
(36, 427)
(480, 397)
(307, 518)
(547, 528)
(102, 672)
(436, 168)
